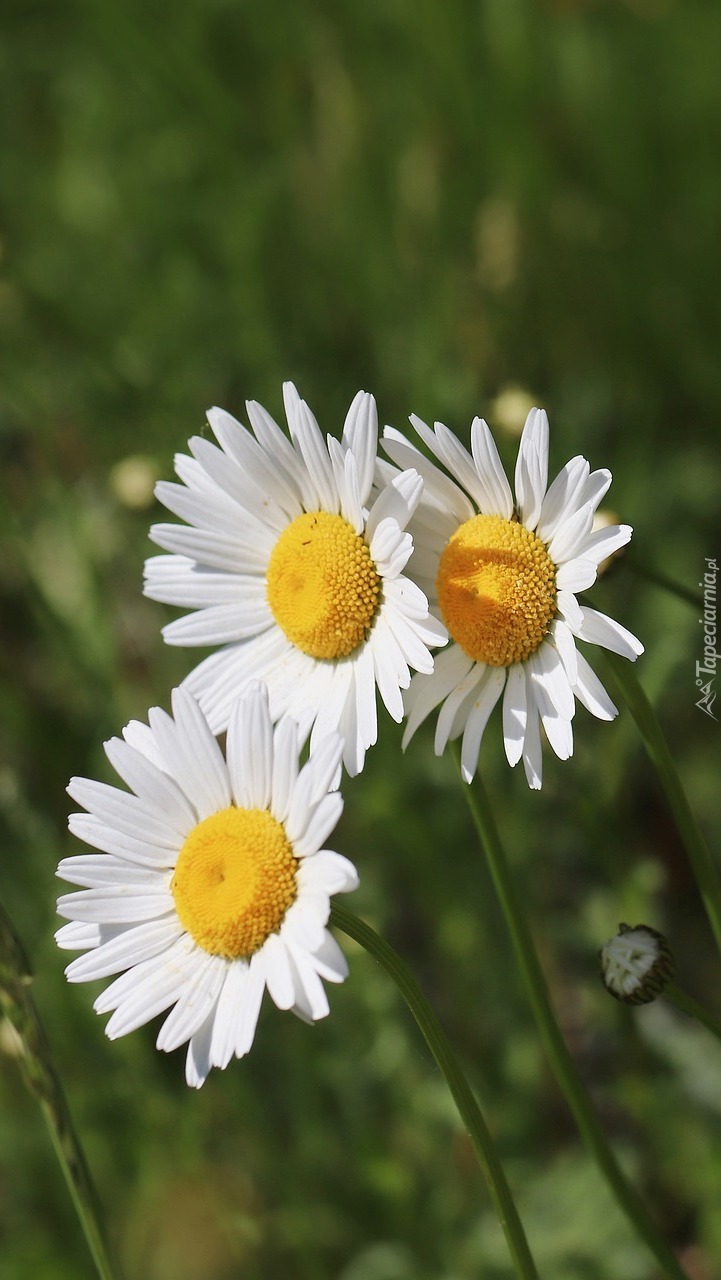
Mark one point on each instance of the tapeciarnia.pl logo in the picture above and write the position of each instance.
(707, 668)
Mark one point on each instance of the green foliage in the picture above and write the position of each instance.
(433, 202)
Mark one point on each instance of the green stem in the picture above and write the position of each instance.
(688, 1005)
(559, 1057)
(41, 1077)
(627, 683)
(446, 1059)
(659, 579)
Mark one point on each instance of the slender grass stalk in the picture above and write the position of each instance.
(559, 1056)
(660, 579)
(627, 683)
(41, 1077)
(688, 1005)
(447, 1061)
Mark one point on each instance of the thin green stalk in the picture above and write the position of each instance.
(627, 683)
(688, 1005)
(41, 1077)
(559, 1057)
(660, 579)
(448, 1063)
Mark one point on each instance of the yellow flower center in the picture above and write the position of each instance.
(496, 590)
(234, 881)
(322, 585)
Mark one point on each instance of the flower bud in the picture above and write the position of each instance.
(637, 964)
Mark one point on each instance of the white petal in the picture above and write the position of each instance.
(591, 693)
(559, 732)
(497, 496)
(604, 542)
(514, 713)
(219, 515)
(532, 468)
(126, 813)
(487, 695)
(317, 1000)
(148, 988)
(250, 749)
(437, 485)
(595, 487)
(599, 629)
(81, 934)
(244, 471)
(570, 535)
(410, 638)
(317, 775)
(562, 498)
(141, 737)
(87, 827)
(396, 503)
(228, 1014)
(218, 680)
(278, 972)
(95, 870)
(248, 551)
(124, 950)
(328, 960)
(448, 448)
(576, 575)
(406, 596)
(198, 998)
(549, 674)
(532, 750)
(307, 837)
(123, 904)
(289, 468)
(562, 637)
(305, 921)
(177, 580)
(220, 624)
(426, 692)
(307, 438)
(248, 1016)
(327, 872)
(464, 690)
(360, 436)
(285, 767)
(384, 649)
(150, 784)
(200, 748)
(197, 1060)
(345, 474)
(569, 609)
(358, 724)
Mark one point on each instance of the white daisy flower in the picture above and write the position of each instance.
(212, 882)
(295, 568)
(503, 577)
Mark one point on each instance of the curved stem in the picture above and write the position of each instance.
(559, 1057)
(446, 1059)
(660, 579)
(41, 1077)
(688, 1005)
(626, 681)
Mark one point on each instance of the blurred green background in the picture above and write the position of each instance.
(459, 207)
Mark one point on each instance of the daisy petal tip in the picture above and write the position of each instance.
(417, 422)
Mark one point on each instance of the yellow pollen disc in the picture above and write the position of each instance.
(234, 881)
(322, 585)
(496, 590)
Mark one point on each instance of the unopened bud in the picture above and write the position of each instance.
(637, 964)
